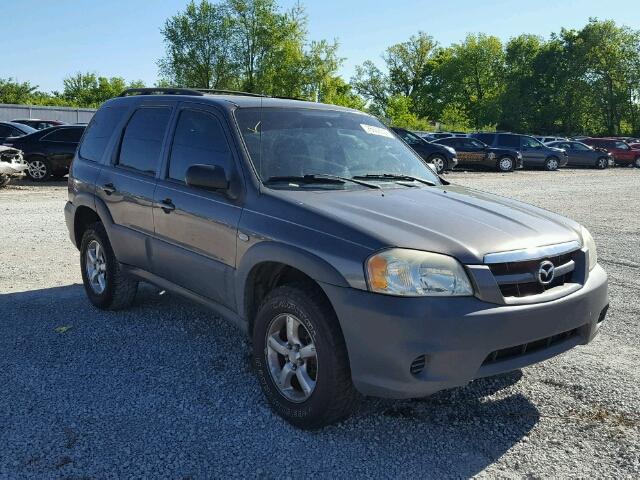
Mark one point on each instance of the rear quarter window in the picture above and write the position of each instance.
(99, 132)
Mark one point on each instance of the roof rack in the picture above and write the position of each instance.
(160, 91)
(185, 91)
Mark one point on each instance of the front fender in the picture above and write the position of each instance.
(268, 251)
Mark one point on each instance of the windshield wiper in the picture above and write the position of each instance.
(319, 178)
(394, 176)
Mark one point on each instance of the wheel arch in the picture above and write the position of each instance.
(88, 210)
(269, 264)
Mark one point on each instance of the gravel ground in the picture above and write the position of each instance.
(165, 390)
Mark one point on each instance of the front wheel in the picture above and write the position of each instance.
(39, 170)
(602, 163)
(4, 180)
(439, 163)
(506, 164)
(301, 359)
(637, 162)
(551, 164)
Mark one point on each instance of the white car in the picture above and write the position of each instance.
(11, 163)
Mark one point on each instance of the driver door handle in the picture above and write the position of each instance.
(167, 205)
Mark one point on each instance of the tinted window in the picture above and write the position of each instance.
(142, 139)
(199, 140)
(452, 142)
(5, 131)
(530, 142)
(511, 141)
(622, 146)
(579, 146)
(409, 137)
(485, 137)
(71, 135)
(99, 132)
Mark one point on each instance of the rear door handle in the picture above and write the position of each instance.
(167, 205)
(108, 188)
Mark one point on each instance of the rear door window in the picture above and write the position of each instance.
(485, 138)
(69, 135)
(199, 139)
(99, 132)
(509, 141)
(142, 139)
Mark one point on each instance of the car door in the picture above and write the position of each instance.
(196, 229)
(60, 145)
(623, 151)
(580, 154)
(572, 154)
(474, 150)
(126, 184)
(533, 151)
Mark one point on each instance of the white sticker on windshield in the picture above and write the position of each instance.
(372, 130)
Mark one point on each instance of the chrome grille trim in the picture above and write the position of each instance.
(535, 253)
(528, 277)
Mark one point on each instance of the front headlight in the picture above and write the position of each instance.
(590, 245)
(413, 273)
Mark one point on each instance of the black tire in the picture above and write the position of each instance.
(636, 163)
(120, 290)
(501, 164)
(551, 164)
(439, 162)
(41, 166)
(334, 397)
(602, 163)
(4, 180)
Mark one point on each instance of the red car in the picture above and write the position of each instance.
(623, 153)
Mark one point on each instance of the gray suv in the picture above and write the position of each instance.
(534, 153)
(352, 266)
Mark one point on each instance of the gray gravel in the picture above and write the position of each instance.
(165, 390)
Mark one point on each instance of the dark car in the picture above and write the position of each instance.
(623, 153)
(474, 153)
(440, 156)
(48, 152)
(351, 265)
(582, 155)
(534, 153)
(37, 123)
(10, 129)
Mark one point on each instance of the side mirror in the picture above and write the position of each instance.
(208, 177)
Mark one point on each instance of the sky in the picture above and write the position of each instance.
(44, 41)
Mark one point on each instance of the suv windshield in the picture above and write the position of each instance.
(299, 142)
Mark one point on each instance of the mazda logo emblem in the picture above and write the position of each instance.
(546, 272)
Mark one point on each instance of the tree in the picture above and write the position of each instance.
(198, 48)
(91, 90)
(12, 91)
(398, 112)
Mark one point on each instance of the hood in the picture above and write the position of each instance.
(463, 223)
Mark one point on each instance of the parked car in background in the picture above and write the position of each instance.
(11, 164)
(38, 124)
(352, 267)
(534, 153)
(474, 153)
(622, 152)
(438, 135)
(442, 157)
(11, 129)
(582, 155)
(48, 152)
(428, 136)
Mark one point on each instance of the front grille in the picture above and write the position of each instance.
(418, 364)
(520, 279)
(530, 347)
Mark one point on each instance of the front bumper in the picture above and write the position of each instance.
(384, 335)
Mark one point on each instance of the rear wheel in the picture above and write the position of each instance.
(301, 359)
(637, 162)
(4, 180)
(439, 162)
(39, 169)
(602, 163)
(106, 285)
(506, 164)
(551, 164)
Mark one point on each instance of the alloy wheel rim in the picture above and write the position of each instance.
(505, 164)
(37, 169)
(553, 164)
(96, 267)
(290, 354)
(438, 163)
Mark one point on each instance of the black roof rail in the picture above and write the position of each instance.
(161, 91)
(228, 92)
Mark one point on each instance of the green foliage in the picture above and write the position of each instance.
(12, 91)
(91, 90)
(398, 112)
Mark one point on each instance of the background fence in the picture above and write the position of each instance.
(62, 114)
